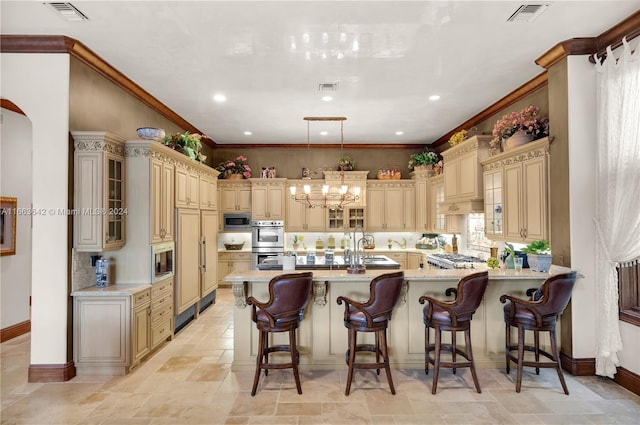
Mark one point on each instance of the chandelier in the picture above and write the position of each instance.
(333, 198)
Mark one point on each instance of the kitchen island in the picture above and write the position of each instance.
(378, 262)
(322, 337)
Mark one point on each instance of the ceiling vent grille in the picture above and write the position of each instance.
(68, 11)
(527, 12)
(328, 86)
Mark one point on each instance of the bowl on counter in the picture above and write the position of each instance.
(233, 246)
(150, 133)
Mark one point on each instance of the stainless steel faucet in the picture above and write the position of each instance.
(357, 243)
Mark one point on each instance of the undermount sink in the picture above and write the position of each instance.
(376, 259)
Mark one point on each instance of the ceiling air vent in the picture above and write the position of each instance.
(527, 12)
(68, 11)
(328, 86)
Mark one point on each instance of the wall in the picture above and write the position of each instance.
(15, 181)
(39, 85)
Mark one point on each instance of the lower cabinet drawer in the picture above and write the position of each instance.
(160, 314)
(161, 331)
(160, 303)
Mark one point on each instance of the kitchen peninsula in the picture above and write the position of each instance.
(322, 337)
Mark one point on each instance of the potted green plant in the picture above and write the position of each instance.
(538, 255)
(511, 254)
(187, 143)
(346, 163)
(423, 160)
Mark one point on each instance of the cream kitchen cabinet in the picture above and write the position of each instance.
(187, 183)
(187, 276)
(299, 217)
(493, 204)
(235, 196)
(423, 201)
(391, 205)
(208, 192)
(268, 199)
(99, 191)
(162, 312)
(437, 219)
(351, 179)
(209, 252)
(232, 262)
(414, 259)
(463, 184)
(399, 257)
(111, 328)
(162, 200)
(345, 219)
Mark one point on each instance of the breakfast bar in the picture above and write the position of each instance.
(322, 337)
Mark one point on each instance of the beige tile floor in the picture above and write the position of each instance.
(189, 381)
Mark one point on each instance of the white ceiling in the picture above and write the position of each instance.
(184, 52)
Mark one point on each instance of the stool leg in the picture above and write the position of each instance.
(467, 342)
(520, 357)
(507, 344)
(426, 350)
(536, 346)
(556, 358)
(377, 352)
(385, 356)
(261, 349)
(352, 358)
(294, 358)
(266, 352)
(436, 362)
(453, 349)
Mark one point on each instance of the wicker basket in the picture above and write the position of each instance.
(233, 246)
(388, 174)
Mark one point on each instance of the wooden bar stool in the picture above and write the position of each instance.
(453, 316)
(538, 316)
(372, 316)
(288, 297)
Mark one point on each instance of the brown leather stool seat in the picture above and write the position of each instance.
(372, 316)
(283, 312)
(538, 316)
(453, 316)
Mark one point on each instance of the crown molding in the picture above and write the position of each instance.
(63, 44)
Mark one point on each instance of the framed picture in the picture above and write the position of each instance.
(8, 225)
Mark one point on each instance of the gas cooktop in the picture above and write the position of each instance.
(453, 261)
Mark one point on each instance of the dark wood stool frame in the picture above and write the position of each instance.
(455, 316)
(372, 316)
(280, 316)
(537, 316)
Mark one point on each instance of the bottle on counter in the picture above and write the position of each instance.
(319, 244)
(331, 242)
(454, 244)
(102, 272)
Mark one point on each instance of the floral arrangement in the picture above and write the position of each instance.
(186, 143)
(457, 137)
(526, 120)
(346, 163)
(426, 157)
(236, 166)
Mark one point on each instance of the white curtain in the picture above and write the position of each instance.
(617, 191)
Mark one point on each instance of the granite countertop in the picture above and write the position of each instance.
(110, 291)
(338, 263)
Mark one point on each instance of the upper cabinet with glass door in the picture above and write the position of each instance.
(100, 210)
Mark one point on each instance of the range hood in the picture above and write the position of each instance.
(462, 207)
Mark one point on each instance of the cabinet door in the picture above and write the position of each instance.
(209, 252)
(376, 209)
(168, 201)
(276, 203)
(315, 219)
(224, 266)
(241, 263)
(296, 216)
(512, 215)
(259, 200)
(141, 342)
(243, 199)
(157, 202)
(228, 201)
(453, 223)
(493, 204)
(422, 206)
(451, 178)
(437, 196)
(414, 259)
(468, 176)
(208, 192)
(393, 209)
(188, 259)
(534, 205)
(187, 188)
(114, 202)
(409, 203)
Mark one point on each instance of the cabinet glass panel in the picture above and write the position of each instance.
(440, 222)
(356, 217)
(115, 201)
(493, 203)
(336, 219)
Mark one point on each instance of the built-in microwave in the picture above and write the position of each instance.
(162, 261)
(236, 222)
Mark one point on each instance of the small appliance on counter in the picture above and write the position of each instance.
(102, 272)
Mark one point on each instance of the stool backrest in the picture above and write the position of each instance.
(384, 293)
(471, 289)
(556, 292)
(289, 294)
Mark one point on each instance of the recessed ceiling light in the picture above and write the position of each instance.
(248, 133)
(219, 98)
(434, 97)
(323, 133)
(327, 98)
(399, 133)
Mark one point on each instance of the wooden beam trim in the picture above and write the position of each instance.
(14, 331)
(627, 379)
(7, 104)
(521, 92)
(574, 46)
(63, 44)
(629, 28)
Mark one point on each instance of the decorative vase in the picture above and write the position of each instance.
(518, 138)
(234, 177)
(539, 262)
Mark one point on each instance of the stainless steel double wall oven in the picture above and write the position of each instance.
(267, 240)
